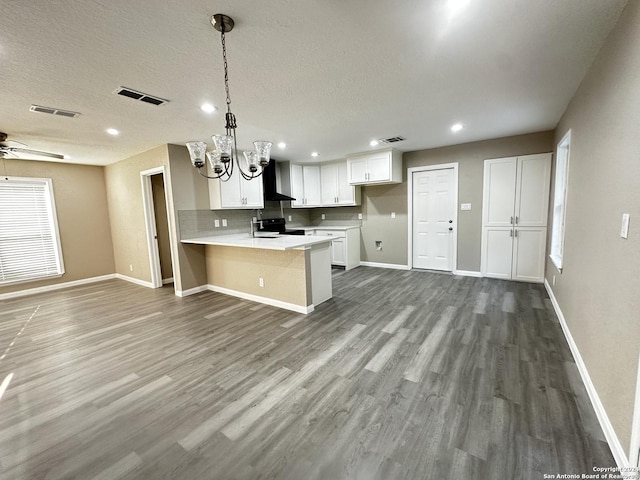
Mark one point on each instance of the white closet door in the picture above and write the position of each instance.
(532, 190)
(499, 192)
(497, 252)
(528, 254)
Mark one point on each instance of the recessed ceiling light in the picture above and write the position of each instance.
(282, 145)
(456, 127)
(112, 131)
(208, 108)
(314, 154)
(374, 143)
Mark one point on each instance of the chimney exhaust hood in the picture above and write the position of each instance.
(269, 182)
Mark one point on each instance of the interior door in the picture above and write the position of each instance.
(532, 190)
(433, 219)
(499, 192)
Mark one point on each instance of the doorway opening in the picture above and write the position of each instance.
(433, 217)
(156, 215)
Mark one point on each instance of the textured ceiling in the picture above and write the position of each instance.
(319, 75)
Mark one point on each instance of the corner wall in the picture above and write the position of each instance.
(598, 290)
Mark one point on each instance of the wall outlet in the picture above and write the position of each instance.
(261, 282)
(130, 268)
(323, 216)
(289, 218)
(224, 222)
(553, 281)
(359, 216)
(379, 245)
(216, 223)
(393, 214)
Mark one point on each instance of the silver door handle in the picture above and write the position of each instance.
(516, 233)
(511, 233)
(516, 219)
(511, 221)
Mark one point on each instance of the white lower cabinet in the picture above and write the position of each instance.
(514, 253)
(345, 246)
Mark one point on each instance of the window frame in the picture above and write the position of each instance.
(52, 221)
(560, 191)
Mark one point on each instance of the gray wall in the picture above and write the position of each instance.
(380, 201)
(599, 288)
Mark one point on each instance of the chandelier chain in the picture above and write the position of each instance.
(226, 72)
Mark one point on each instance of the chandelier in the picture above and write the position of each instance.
(225, 156)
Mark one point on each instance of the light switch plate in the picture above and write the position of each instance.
(465, 206)
(216, 223)
(224, 222)
(359, 216)
(393, 214)
(323, 216)
(624, 230)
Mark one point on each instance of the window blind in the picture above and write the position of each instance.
(29, 239)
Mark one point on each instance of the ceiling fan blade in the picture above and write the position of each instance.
(35, 152)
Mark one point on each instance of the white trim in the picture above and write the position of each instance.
(150, 224)
(635, 426)
(142, 283)
(393, 266)
(265, 300)
(614, 443)
(192, 291)
(56, 286)
(424, 168)
(165, 281)
(467, 273)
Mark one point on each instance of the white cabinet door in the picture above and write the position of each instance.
(346, 193)
(379, 167)
(297, 185)
(252, 192)
(231, 193)
(499, 192)
(311, 182)
(338, 255)
(532, 190)
(328, 176)
(357, 170)
(528, 254)
(497, 254)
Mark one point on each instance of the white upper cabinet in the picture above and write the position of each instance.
(305, 185)
(236, 193)
(516, 191)
(336, 190)
(375, 168)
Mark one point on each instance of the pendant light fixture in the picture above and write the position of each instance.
(225, 156)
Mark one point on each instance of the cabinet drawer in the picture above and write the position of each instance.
(331, 233)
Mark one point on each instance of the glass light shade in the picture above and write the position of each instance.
(251, 157)
(263, 148)
(214, 161)
(197, 152)
(224, 144)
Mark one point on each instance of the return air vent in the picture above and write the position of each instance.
(392, 139)
(143, 97)
(53, 111)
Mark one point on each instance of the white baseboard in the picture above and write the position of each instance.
(167, 280)
(192, 291)
(265, 300)
(393, 266)
(56, 286)
(142, 283)
(467, 273)
(614, 443)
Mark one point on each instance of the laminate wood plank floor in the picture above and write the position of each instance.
(402, 375)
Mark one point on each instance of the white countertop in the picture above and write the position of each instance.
(245, 240)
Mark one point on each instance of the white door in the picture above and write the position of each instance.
(252, 191)
(499, 192)
(529, 245)
(297, 185)
(231, 192)
(434, 205)
(312, 193)
(329, 186)
(532, 190)
(497, 252)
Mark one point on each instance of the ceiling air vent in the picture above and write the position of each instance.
(53, 111)
(143, 97)
(392, 139)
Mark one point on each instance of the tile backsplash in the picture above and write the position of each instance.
(201, 223)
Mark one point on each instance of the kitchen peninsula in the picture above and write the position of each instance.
(287, 271)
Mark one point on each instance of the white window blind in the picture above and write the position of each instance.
(29, 239)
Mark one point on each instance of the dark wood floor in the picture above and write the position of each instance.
(402, 375)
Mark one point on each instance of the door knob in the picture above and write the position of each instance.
(450, 221)
(450, 229)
